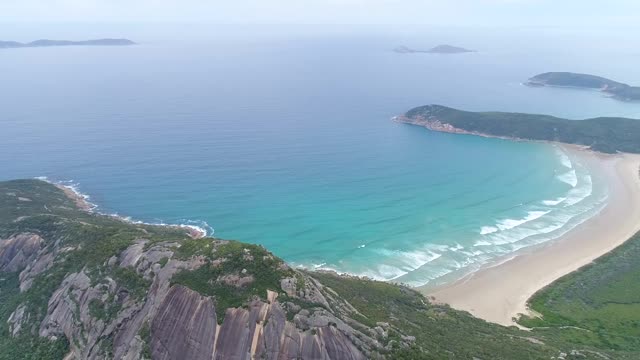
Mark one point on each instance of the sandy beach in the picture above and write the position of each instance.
(500, 293)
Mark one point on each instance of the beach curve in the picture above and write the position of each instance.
(500, 291)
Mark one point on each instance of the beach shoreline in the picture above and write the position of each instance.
(82, 202)
(500, 291)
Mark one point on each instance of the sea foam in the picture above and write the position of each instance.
(485, 230)
(569, 177)
(564, 159)
(512, 223)
(578, 194)
(199, 227)
(554, 202)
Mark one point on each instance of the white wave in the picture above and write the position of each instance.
(564, 159)
(526, 233)
(200, 227)
(569, 177)
(576, 195)
(475, 252)
(361, 246)
(512, 223)
(455, 248)
(74, 188)
(385, 272)
(482, 243)
(554, 202)
(408, 260)
(382, 272)
(488, 230)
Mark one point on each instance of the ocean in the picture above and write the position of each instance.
(283, 137)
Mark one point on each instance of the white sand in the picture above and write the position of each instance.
(500, 293)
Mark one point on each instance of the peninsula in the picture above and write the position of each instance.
(616, 89)
(440, 49)
(603, 134)
(46, 43)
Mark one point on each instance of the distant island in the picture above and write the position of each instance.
(618, 90)
(440, 49)
(603, 134)
(45, 43)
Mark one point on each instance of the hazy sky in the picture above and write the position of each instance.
(435, 12)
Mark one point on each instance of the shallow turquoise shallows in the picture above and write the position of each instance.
(287, 141)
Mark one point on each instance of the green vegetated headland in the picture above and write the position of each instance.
(618, 90)
(603, 134)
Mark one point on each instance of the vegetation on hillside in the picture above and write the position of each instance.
(441, 332)
(604, 134)
(619, 90)
(597, 306)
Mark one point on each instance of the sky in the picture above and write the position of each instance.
(594, 13)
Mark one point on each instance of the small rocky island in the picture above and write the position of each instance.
(46, 43)
(440, 49)
(618, 90)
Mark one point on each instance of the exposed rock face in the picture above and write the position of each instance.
(262, 332)
(288, 285)
(182, 323)
(18, 251)
(68, 313)
(127, 343)
(184, 327)
(130, 257)
(16, 320)
(43, 262)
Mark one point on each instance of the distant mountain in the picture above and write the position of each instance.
(440, 49)
(619, 90)
(45, 42)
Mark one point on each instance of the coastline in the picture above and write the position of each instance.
(82, 202)
(500, 291)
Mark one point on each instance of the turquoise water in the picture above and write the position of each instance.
(286, 141)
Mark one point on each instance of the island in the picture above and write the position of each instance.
(603, 134)
(440, 49)
(616, 89)
(46, 43)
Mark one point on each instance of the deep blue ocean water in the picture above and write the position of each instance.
(283, 138)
